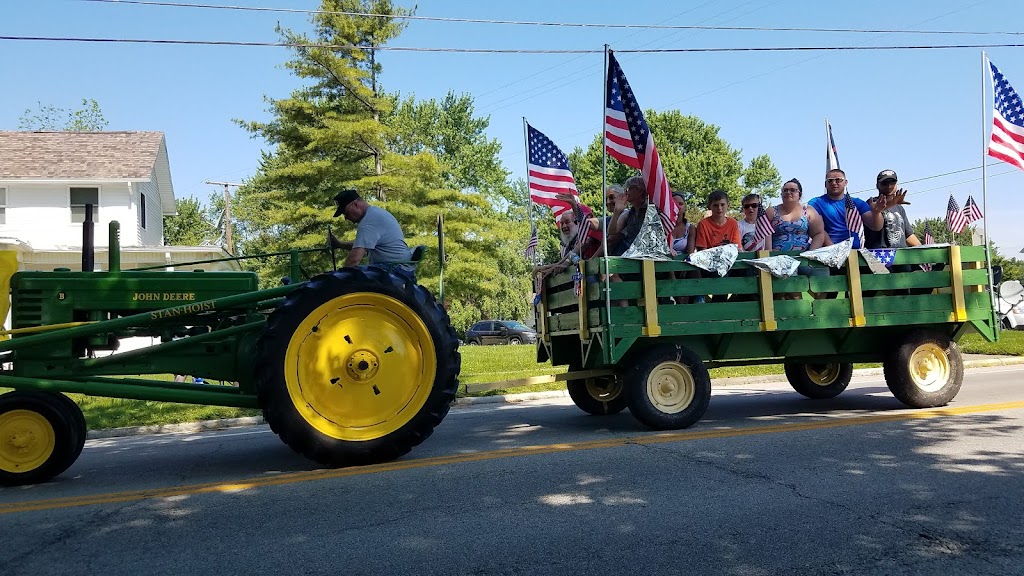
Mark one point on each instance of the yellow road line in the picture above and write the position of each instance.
(296, 477)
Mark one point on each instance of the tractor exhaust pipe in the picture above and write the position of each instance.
(88, 241)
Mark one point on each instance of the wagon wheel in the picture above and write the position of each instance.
(925, 370)
(819, 381)
(668, 387)
(358, 366)
(598, 396)
(38, 439)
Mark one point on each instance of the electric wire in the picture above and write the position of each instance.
(551, 24)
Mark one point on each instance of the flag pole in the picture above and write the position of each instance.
(984, 179)
(529, 200)
(604, 191)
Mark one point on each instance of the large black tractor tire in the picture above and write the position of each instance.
(668, 387)
(602, 396)
(925, 370)
(77, 420)
(38, 439)
(819, 381)
(356, 367)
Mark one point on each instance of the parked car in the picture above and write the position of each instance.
(1011, 305)
(500, 332)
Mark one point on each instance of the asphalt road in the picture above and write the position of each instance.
(767, 483)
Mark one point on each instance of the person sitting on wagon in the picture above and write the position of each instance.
(716, 230)
(579, 236)
(896, 231)
(831, 206)
(798, 227)
(751, 204)
(628, 222)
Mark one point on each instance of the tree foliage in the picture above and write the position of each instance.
(341, 129)
(941, 234)
(191, 226)
(47, 118)
(696, 160)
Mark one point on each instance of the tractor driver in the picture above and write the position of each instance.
(377, 234)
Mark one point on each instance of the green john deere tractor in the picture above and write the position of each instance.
(353, 366)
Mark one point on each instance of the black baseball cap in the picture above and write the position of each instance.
(342, 199)
(886, 175)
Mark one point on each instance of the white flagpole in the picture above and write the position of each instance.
(984, 178)
(529, 199)
(606, 224)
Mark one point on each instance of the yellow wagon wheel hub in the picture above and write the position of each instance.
(670, 387)
(822, 374)
(360, 366)
(604, 390)
(929, 367)
(27, 440)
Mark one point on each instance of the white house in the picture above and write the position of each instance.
(47, 178)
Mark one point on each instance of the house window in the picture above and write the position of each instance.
(142, 211)
(79, 198)
(3, 205)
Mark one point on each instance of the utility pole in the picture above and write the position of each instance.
(227, 211)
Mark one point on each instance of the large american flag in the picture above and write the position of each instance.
(629, 140)
(971, 210)
(1007, 141)
(955, 220)
(831, 156)
(853, 220)
(763, 229)
(549, 172)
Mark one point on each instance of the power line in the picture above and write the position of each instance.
(493, 50)
(552, 24)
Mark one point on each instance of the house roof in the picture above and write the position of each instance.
(88, 156)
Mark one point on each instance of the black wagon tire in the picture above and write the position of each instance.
(357, 366)
(819, 380)
(926, 369)
(602, 396)
(37, 440)
(668, 387)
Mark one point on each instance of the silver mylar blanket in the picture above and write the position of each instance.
(834, 256)
(652, 242)
(778, 266)
(718, 259)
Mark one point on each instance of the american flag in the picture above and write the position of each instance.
(971, 210)
(763, 228)
(549, 172)
(955, 220)
(928, 239)
(577, 282)
(853, 221)
(531, 246)
(629, 140)
(831, 157)
(1007, 142)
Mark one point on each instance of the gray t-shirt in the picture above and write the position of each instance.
(379, 233)
(893, 234)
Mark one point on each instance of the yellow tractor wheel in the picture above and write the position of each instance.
(37, 438)
(358, 366)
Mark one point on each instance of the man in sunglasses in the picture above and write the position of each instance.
(377, 234)
(896, 231)
(832, 208)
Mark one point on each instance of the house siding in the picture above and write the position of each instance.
(40, 214)
(152, 234)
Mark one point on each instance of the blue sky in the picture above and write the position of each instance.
(917, 112)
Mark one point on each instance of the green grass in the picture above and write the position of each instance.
(1011, 343)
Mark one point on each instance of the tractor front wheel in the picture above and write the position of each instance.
(357, 367)
(38, 439)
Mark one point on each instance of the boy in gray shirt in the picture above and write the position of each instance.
(377, 234)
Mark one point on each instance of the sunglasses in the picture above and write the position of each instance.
(749, 206)
(834, 180)
(791, 190)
